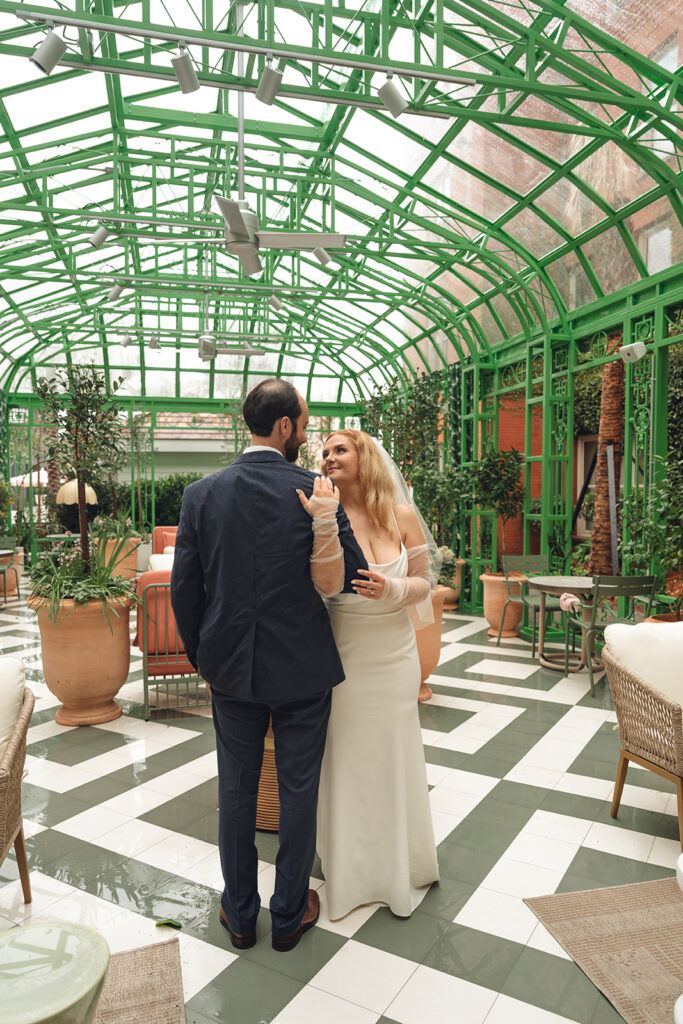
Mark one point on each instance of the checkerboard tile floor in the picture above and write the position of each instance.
(121, 822)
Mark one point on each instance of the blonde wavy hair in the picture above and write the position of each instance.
(376, 485)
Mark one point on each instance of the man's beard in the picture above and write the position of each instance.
(292, 446)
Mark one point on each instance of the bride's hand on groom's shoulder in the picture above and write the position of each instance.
(324, 500)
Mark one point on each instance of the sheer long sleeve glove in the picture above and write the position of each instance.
(401, 591)
(327, 557)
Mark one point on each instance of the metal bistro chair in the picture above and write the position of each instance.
(8, 566)
(529, 565)
(606, 590)
(166, 669)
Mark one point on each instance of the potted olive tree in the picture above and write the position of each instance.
(498, 488)
(441, 496)
(83, 604)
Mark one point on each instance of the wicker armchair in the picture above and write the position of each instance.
(650, 730)
(11, 772)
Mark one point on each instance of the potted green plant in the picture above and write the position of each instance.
(498, 488)
(83, 604)
(654, 526)
(441, 495)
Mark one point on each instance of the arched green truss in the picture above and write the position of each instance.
(540, 154)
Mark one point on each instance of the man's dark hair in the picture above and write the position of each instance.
(270, 401)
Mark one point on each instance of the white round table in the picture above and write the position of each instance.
(582, 587)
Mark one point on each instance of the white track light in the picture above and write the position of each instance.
(99, 236)
(125, 341)
(154, 342)
(274, 303)
(322, 255)
(633, 352)
(270, 82)
(392, 98)
(48, 54)
(115, 292)
(184, 71)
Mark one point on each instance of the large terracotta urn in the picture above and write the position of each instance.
(86, 658)
(429, 643)
(495, 596)
(455, 589)
(127, 564)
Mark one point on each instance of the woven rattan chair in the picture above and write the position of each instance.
(11, 772)
(650, 731)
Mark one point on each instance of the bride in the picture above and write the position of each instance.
(375, 835)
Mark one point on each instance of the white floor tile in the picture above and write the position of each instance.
(664, 852)
(518, 879)
(208, 872)
(504, 669)
(348, 925)
(468, 782)
(530, 775)
(451, 801)
(542, 851)
(542, 940)
(431, 997)
(366, 976)
(430, 737)
(507, 1010)
(312, 1006)
(90, 824)
(201, 962)
(31, 828)
(558, 826)
(498, 914)
(137, 801)
(619, 841)
(128, 930)
(176, 853)
(79, 907)
(44, 890)
(176, 782)
(646, 799)
(584, 785)
(436, 773)
(133, 837)
(443, 824)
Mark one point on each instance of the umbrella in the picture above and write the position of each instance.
(36, 479)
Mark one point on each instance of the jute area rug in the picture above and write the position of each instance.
(143, 986)
(628, 939)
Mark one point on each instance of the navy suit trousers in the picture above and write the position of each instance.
(300, 728)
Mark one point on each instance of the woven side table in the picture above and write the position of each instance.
(268, 806)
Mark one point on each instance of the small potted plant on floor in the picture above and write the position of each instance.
(83, 604)
(498, 488)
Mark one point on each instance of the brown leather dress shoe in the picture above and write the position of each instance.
(238, 941)
(283, 943)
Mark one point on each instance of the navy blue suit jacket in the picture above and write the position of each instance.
(241, 587)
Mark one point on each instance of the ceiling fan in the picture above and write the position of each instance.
(243, 238)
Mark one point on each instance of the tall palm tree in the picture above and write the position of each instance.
(611, 429)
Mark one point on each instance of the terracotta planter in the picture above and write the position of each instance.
(128, 557)
(429, 643)
(454, 591)
(10, 578)
(664, 617)
(495, 596)
(85, 662)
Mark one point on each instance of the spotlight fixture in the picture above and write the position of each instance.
(48, 54)
(154, 342)
(392, 98)
(207, 347)
(240, 350)
(115, 292)
(183, 68)
(632, 353)
(99, 237)
(322, 255)
(274, 303)
(270, 82)
(125, 340)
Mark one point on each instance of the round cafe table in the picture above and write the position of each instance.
(582, 587)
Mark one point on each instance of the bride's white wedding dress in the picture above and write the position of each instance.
(375, 834)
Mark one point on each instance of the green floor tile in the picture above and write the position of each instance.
(302, 963)
(47, 847)
(204, 828)
(205, 794)
(74, 747)
(519, 793)
(445, 758)
(652, 823)
(48, 808)
(85, 867)
(178, 899)
(244, 993)
(606, 867)
(130, 885)
(552, 983)
(651, 872)
(97, 791)
(575, 806)
(194, 1017)
(446, 897)
(500, 812)
(177, 812)
(605, 1013)
(476, 956)
(442, 719)
(486, 764)
(410, 937)
(267, 844)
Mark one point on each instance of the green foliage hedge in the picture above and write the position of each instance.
(168, 496)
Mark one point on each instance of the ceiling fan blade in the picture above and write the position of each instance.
(300, 240)
(250, 262)
(231, 214)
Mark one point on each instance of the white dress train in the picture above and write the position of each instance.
(375, 834)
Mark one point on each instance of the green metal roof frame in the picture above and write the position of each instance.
(427, 277)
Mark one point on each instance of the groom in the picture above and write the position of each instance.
(258, 632)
